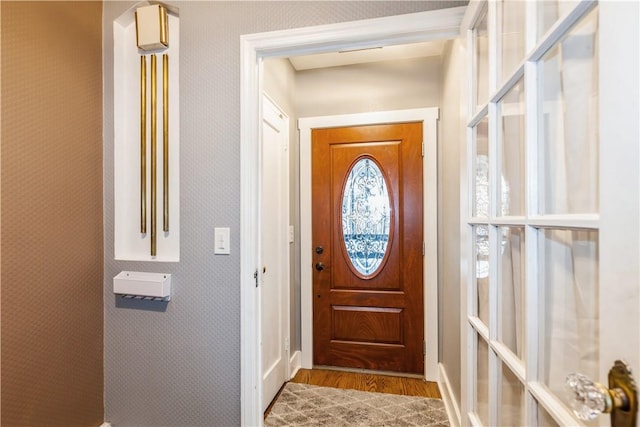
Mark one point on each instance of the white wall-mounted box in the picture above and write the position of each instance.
(143, 285)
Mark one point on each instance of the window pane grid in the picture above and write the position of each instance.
(511, 275)
(481, 407)
(480, 60)
(511, 150)
(480, 185)
(510, 399)
(568, 127)
(512, 35)
(569, 316)
(481, 270)
(538, 225)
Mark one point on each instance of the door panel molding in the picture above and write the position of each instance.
(429, 117)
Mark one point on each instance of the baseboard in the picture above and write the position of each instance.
(294, 364)
(450, 404)
(105, 424)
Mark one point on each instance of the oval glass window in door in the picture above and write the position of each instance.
(366, 216)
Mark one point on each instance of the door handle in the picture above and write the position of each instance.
(319, 266)
(620, 399)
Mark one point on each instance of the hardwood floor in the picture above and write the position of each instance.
(368, 382)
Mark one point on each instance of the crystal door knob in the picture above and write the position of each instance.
(591, 399)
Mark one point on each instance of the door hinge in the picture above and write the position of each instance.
(423, 248)
(422, 148)
(255, 276)
(424, 348)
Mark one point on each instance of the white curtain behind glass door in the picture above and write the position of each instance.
(569, 259)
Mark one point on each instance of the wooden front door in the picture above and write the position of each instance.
(367, 235)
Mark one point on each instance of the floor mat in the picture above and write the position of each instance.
(307, 405)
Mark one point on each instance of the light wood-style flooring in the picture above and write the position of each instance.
(368, 382)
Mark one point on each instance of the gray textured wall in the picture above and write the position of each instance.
(179, 364)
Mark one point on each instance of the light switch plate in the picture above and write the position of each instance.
(222, 240)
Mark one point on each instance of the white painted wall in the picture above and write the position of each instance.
(360, 88)
(452, 132)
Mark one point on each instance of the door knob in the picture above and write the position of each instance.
(319, 266)
(591, 399)
(319, 250)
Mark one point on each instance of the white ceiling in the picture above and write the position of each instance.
(387, 53)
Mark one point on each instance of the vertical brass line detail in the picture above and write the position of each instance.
(143, 144)
(165, 142)
(164, 23)
(154, 160)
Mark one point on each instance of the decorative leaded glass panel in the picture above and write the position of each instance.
(366, 216)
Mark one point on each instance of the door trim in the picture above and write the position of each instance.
(414, 27)
(429, 118)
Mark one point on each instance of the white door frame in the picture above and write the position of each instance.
(438, 24)
(429, 118)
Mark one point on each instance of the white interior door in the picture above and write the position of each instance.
(552, 216)
(275, 250)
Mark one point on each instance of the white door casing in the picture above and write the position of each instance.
(575, 257)
(438, 24)
(274, 292)
(429, 118)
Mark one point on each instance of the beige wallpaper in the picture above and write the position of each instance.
(51, 214)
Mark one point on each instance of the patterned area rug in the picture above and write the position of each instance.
(309, 405)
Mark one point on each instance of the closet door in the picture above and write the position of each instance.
(551, 223)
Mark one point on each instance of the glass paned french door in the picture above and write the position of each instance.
(532, 225)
